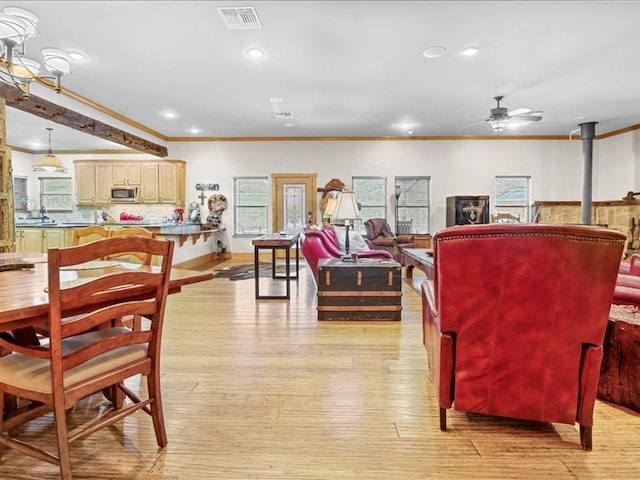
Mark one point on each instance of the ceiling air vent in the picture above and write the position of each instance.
(283, 114)
(239, 17)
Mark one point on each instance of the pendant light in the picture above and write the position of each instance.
(49, 163)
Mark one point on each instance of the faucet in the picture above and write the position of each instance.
(43, 213)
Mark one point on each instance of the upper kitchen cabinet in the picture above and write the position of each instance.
(163, 182)
(93, 182)
(126, 174)
(158, 182)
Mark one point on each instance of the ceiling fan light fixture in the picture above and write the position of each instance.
(49, 163)
(498, 124)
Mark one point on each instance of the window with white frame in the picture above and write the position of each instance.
(371, 194)
(251, 205)
(513, 195)
(56, 194)
(20, 193)
(414, 203)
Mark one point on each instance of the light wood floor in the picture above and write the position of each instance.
(261, 390)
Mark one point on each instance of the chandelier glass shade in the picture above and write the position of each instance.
(49, 163)
(17, 26)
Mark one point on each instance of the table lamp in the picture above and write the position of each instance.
(346, 210)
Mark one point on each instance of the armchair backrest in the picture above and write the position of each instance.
(525, 304)
(376, 227)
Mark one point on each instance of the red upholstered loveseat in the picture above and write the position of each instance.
(323, 243)
(515, 317)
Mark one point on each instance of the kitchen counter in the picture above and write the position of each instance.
(185, 235)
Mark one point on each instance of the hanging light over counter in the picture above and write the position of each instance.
(49, 163)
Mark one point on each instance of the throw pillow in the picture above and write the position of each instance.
(356, 241)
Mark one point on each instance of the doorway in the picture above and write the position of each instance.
(294, 201)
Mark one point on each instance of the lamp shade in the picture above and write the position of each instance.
(49, 163)
(346, 207)
(330, 206)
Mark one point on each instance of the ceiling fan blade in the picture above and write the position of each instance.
(519, 111)
(472, 124)
(526, 118)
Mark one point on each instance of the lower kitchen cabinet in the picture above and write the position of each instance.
(39, 240)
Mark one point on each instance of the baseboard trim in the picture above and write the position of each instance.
(210, 259)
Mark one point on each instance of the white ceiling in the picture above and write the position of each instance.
(343, 68)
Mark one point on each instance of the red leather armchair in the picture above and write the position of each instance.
(515, 317)
(379, 234)
(317, 244)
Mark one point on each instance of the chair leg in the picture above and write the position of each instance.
(62, 437)
(585, 437)
(157, 415)
(443, 419)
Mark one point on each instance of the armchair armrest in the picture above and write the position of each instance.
(404, 238)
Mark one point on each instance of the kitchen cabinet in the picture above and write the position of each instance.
(163, 182)
(93, 183)
(159, 182)
(149, 190)
(39, 240)
(126, 174)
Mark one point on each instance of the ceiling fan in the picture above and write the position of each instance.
(500, 117)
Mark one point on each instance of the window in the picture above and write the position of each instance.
(513, 195)
(251, 200)
(414, 203)
(371, 193)
(56, 193)
(20, 193)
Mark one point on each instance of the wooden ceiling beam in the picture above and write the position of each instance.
(65, 116)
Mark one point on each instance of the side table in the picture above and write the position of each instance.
(273, 242)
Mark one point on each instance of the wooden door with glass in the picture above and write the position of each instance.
(294, 201)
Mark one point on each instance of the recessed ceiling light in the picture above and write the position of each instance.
(275, 100)
(288, 125)
(77, 56)
(434, 52)
(254, 53)
(194, 130)
(170, 115)
(469, 51)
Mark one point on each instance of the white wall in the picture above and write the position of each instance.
(456, 167)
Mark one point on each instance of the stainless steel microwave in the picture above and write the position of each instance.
(124, 194)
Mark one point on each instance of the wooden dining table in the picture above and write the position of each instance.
(24, 301)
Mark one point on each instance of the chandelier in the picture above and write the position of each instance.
(49, 163)
(17, 26)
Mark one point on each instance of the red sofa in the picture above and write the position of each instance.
(323, 243)
(515, 317)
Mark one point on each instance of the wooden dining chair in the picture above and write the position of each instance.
(88, 234)
(78, 360)
(139, 231)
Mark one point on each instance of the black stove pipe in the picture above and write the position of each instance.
(587, 134)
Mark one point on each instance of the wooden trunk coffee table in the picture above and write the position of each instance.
(365, 289)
